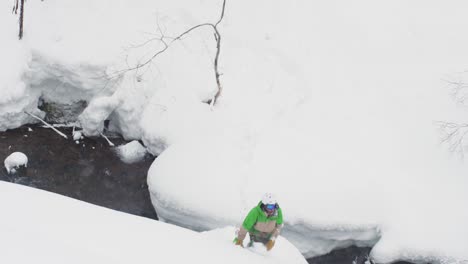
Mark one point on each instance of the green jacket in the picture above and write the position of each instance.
(257, 215)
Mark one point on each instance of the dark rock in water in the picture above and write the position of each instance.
(62, 113)
(88, 171)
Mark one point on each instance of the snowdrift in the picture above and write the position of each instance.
(55, 229)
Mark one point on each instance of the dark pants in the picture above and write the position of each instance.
(260, 237)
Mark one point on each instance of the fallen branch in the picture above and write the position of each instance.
(47, 124)
(108, 141)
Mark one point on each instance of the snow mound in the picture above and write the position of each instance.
(311, 236)
(14, 161)
(282, 252)
(131, 152)
(77, 135)
(66, 230)
(55, 62)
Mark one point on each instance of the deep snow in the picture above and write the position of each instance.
(331, 105)
(42, 227)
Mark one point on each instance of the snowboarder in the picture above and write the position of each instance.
(263, 223)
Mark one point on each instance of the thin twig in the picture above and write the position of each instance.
(47, 124)
(15, 7)
(453, 135)
(459, 90)
(222, 13)
(191, 29)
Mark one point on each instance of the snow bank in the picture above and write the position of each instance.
(226, 193)
(65, 230)
(131, 152)
(14, 161)
(332, 108)
(65, 60)
(13, 91)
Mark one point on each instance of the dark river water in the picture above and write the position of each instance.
(91, 171)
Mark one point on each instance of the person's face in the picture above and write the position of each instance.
(270, 209)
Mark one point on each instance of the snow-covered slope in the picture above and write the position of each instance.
(52, 228)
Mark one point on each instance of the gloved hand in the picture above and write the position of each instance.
(238, 242)
(269, 245)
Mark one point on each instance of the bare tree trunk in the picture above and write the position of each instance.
(217, 74)
(21, 19)
(218, 49)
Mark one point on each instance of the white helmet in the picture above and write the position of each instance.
(268, 198)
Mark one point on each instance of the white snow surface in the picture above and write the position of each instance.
(14, 161)
(329, 104)
(131, 152)
(57, 229)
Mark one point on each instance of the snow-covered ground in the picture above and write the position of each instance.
(42, 227)
(329, 104)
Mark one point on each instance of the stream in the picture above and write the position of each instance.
(89, 171)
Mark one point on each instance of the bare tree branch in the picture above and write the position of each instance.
(163, 38)
(459, 91)
(15, 7)
(191, 29)
(217, 74)
(222, 13)
(453, 134)
(107, 139)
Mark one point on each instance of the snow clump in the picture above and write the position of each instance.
(77, 135)
(131, 152)
(14, 161)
